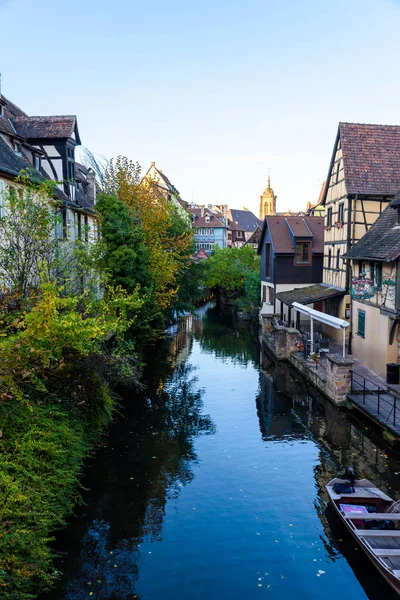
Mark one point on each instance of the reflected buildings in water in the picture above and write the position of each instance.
(147, 462)
(157, 448)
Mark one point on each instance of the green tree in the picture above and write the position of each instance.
(123, 253)
(228, 269)
(28, 246)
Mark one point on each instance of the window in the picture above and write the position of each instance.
(361, 323)
(207, 219)
(267, 260)
(329, 218)
(270, 294)
(341, 212)
(264, 293)
(338, 260)
(378, 276)
(59, 225)
(302, 253)
(70, 164)
(337, 172)
(17, 148)
(37, 162)
(2, 207)
(331, 307)
(329, 259)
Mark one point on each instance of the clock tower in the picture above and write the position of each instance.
(267, 201)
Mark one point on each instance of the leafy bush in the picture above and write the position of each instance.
(42, 449)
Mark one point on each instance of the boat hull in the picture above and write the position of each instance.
(386, 573)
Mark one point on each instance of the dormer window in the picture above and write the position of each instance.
(17, 148)
(207, 219)
(302, 253)
(1, 110)
(36, 162)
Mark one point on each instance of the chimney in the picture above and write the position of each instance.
(91, 187)
(202, 211)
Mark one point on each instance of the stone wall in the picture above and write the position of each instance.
(283, 342)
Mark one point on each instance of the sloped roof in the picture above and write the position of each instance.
(6, 126)
(281, 237)
(309, 294)
(299, 228)
(200, 221)
(10, 162)
(244, 219)
(371, 155)
(46, 127)
(10, 109)
(381, 241)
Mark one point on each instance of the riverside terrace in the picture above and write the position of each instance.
(342, 379)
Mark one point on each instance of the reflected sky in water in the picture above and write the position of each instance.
(211, 483)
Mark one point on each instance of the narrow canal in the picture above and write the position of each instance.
(211, 483)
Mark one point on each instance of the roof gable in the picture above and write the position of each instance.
(199, 216)
(285, 230)
(371, 158)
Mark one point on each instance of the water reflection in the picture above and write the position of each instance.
(147, 462)
(216, 336)
(212, 482)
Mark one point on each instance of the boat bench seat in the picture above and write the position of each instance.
(378, 532)
(386, 552)
(373, 516)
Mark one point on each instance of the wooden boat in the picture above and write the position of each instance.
(372, 518)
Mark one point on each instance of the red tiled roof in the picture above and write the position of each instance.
(280, 234)
(371, 155)
(299, 227)
(45, 127)
(200, 221)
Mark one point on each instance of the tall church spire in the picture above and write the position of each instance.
(267, 201)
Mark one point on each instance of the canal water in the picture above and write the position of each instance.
(211, 483)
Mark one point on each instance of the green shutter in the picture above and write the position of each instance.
(361, 323)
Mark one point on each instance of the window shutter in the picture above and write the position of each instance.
(361, 323)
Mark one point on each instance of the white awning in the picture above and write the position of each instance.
(320, 316)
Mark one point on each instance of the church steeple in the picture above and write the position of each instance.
(267, 201)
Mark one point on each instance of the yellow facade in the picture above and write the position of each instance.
(373, 348)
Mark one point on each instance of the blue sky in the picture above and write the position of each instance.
(218, 93)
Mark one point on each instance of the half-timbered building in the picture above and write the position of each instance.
(45, 145)
(241, 226)
(163, 186)
(375, 291)
(363, 176)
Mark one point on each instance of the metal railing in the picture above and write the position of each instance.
(384, 399)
